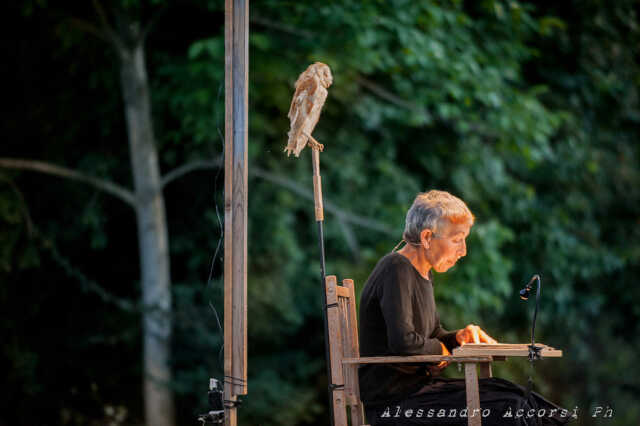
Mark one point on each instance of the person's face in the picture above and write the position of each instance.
(444, 248)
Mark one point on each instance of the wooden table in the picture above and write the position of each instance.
(495, 352)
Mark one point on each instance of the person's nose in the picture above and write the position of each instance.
(463, 249)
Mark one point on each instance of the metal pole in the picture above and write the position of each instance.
(319, 213)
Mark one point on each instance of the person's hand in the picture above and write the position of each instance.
(445, 352)
(435, 370)
(473, 334)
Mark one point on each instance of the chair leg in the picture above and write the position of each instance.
(339, 408)
(357, 415)
(473, 394)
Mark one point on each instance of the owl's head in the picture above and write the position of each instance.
(323, 72)
(318, 71)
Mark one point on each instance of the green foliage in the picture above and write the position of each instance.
(528, 112)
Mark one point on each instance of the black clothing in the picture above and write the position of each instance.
(443, 402)
(398, 316)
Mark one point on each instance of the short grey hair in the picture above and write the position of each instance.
(428, 211)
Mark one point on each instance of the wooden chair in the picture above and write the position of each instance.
(344, 351)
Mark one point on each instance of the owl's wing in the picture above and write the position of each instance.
(301, 106)
(304, 91)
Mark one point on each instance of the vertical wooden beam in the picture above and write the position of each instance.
(230, 415)
(473, 394)
(235, 213)
(353, 399)
(335, 338)
(336, 352)
(240, 187)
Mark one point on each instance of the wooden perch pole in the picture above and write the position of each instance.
(317, 184)
(319, 213)
(235, 206)
(304, 113)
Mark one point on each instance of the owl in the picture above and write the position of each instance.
(306, 105)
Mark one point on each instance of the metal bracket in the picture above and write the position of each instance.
(228, 403)
(535, 352)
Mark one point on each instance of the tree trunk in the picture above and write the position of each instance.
(152, 237)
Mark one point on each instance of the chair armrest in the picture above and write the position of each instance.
(415, 358)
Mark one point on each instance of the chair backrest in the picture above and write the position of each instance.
(343, 343)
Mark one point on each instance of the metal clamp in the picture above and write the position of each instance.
(535, 352)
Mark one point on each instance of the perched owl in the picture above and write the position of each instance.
(306, 105)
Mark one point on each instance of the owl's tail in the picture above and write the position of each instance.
(297, 141)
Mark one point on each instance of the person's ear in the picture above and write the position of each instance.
(425, 237)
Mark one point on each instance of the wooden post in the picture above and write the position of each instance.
(235, 206)
(473, 394)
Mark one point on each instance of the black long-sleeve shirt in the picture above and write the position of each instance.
(398, 316)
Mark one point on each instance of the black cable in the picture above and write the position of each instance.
(221, 227)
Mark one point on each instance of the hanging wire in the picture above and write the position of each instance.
(220, 225)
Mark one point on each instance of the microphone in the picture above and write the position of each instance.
(524, 293)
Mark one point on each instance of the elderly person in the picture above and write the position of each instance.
(398, 316)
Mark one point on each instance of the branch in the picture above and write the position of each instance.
(282, 27)
(350, 237)
(385, 94)
(188, 168)
(106, 33)
(328, 205)
(23, 205)
(342, 215)
(111, 34)
(87, 284)
(388, 96)
(88, 27)
(152, 24)
(42, 167)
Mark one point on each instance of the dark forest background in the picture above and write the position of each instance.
(528, 111)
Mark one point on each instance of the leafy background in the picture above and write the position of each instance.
(527, 110)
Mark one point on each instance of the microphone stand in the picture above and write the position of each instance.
(534, 351)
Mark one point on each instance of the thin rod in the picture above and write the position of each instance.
(324, 317)
(535, 313)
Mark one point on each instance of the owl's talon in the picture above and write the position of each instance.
(315, 145)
